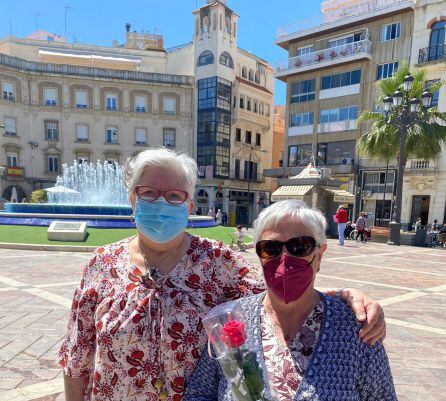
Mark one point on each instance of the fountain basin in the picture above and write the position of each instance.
(30, 214)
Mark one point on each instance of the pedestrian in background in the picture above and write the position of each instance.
(361, 224)
(211, 213)
(341, 219)
(224, 218)
(218, 217)
(418, 224)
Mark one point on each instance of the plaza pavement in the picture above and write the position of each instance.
(36, 290)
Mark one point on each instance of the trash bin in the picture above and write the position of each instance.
(420, 237)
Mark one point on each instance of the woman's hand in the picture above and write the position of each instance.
(366, 310)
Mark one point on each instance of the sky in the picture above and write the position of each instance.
(101, 22)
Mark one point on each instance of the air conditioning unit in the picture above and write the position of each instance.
(346, 160)
(367, 194)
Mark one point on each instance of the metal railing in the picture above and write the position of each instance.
(329, 55)
(344, 14)
(432, 53)
(94, 72)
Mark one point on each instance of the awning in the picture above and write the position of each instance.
(290, 192)
(341, 195)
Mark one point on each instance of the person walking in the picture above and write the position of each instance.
(361, 224)
(418, 224)
(341, 219)
(211, 213)
(224, 218)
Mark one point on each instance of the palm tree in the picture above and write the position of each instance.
(426, 129)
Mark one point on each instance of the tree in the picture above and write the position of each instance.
(425, 134)
(425, 129)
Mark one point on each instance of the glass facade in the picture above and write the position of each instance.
(214, 125)
(299, 155)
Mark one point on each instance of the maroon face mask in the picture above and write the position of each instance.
(288, 277)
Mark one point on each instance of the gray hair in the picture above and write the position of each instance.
(291, 210)
(181, 163)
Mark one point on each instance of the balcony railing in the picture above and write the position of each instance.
(419, 166)
(432, 53)
(342, 15)
(93, 72)
(325, 57)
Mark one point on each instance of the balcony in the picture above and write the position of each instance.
(255, 179)
(334, 18)
(325, 58)
(432, 53)
(421, 167)
(93, 72)
(337, 126)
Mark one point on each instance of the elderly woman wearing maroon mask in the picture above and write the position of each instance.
(307, 344)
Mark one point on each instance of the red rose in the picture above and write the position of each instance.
(233, 334)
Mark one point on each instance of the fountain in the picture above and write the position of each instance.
(91, 192)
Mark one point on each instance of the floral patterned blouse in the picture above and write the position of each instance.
(286, 365)
(140, 341)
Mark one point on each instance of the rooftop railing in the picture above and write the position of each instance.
(344, 14)
(93, 72)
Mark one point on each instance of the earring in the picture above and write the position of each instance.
(132, 219)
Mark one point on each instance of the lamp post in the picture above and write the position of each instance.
(402, 113)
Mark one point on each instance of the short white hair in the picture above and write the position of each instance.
(293, 210)
(161, 157)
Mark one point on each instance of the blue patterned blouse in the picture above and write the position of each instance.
(342, 368)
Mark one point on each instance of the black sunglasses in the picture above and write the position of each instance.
(299, 246)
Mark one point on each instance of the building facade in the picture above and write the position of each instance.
(331, 72)
(64, 101)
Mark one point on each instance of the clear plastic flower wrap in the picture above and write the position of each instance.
(235, 351)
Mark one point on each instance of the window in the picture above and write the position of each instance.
(436, 94)
(205, 58)
(53, 163)
(390, 32)
(82, 158)
(299, 155)
(237, 169)
(301, 119)
(226, 59)
(336, 152)
(12, 159)
(437, 48)
(303, 91)
(251, 169)
(238, 135)
(50, 96)
(140, 104)
(248, 135)
(257, 77)
(141, 136)
(111, 135)
(255, 106)
(8, 91)
(169, 137)
(169, 105)
(258, 139)
(10, 126)
(341, 114)
(338, 80)
(244, 72)
(386, 70)
(81, 99)
(207, 93)
(242, 102)
(248, 105)
(345, 40)
(82, 132)
(302, 51)
(267, 110)
(251, 75)
(51, 130)
(111, 102)
(262, 108)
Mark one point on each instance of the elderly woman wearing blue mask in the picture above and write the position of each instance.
(135, 331)
(307, 344)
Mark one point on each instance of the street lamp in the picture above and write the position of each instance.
(406, 113)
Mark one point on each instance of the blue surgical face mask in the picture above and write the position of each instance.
(160, 221)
